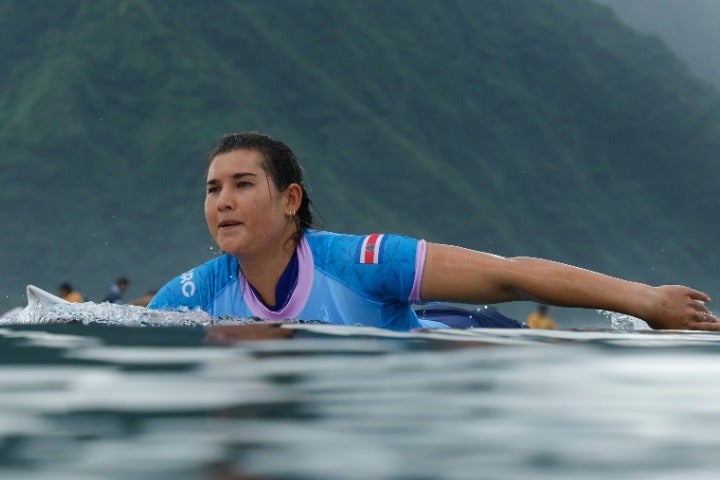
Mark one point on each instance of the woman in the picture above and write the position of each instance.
(275, 266)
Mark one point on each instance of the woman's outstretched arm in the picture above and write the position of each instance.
(457, 274)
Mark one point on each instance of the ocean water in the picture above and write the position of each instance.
(118, 395)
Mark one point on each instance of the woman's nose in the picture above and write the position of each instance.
(225, 200)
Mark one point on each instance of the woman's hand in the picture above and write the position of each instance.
(679, 308)
(247, 332)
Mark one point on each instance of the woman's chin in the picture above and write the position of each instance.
(229, 246)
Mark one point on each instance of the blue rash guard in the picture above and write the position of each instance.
(342, 279)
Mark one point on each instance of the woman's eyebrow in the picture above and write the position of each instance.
(235, 176)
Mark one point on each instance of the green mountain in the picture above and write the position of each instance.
(523, 127)
(690, 28)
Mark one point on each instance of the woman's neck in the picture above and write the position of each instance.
(264, 272)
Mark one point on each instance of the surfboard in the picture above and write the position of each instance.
(130, 315)
(38, 296)
(58, 310)
(35, 296)
(445, 314)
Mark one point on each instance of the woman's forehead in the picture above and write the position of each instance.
(236, 161)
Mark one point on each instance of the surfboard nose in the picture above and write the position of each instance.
(38, 296)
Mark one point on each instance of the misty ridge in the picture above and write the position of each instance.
(526, 127)
(690, 28)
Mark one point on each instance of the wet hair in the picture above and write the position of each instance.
(66, 287)
(280, 164)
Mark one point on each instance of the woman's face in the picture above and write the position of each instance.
(245, 212)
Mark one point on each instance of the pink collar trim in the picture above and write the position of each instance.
(299, 296)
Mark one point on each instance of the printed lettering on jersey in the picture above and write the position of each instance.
(187, 286)
(370, 251)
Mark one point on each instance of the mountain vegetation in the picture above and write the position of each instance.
(523, 127)
(690, 28)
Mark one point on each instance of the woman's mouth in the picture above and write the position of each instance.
(228, 224)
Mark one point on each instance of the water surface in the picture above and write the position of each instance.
(98, 400)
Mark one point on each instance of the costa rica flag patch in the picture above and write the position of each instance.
(370, 251)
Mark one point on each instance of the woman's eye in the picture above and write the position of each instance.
(212, 190)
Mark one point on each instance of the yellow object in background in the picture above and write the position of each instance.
(540, 319)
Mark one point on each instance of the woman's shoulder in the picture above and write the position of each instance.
(327, 236)
(363, 248)
(197, 286)
(222, 266)
(324, 240)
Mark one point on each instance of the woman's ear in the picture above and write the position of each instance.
(294, 197)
